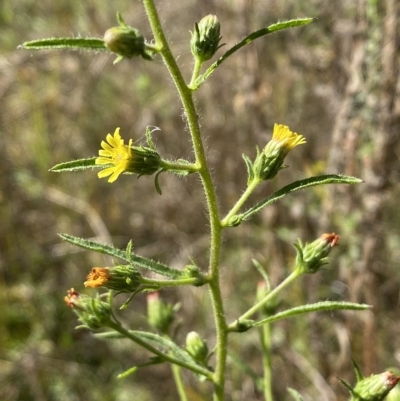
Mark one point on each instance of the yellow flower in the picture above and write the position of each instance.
(126, 158)
(98, 277)
(116, 153)
(270, 160)
(283, 138)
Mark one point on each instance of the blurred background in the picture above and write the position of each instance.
(335, 81)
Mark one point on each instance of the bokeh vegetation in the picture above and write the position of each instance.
(335, 81)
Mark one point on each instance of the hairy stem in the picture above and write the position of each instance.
(185, 95)
(176, 371)
(265, 339)
(249, 190)
(196, 69)
(293, 276)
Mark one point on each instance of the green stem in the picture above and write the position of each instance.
(265, 338)
(185, 95)
(191, 168)
(169, 283)
(176, 371)
(293, 276)
(117, 327)
(249, 190)
(196, 69)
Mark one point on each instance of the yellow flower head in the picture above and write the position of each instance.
(270, 160)
(98, 277)
(116, 153)
(285, 139)
(126, 158)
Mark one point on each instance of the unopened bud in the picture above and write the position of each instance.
(311, 257)
(92, 312)
(205, 38)
(197, 347)
(159, 314)
(124, 41)
(375, 387)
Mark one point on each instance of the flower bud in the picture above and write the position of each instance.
(92, 312)
(205, 38)
(197, 347)
(124, 41)
(159, 314)
(119, 278)
(311, 257)
(270, 160)
(375, 387)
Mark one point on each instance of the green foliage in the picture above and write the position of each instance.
(34, 105)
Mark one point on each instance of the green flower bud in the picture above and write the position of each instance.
(119, 278)
(159, 314)
(92, 312)
(311, 257)
(197, 347)
(375, 387)
(205, 38)
(124, 41)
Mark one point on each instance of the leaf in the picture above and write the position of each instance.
(65, 43)
(166, 344)
(317, 307)
(263, 273)
(155, 360)
(298, 185)
(249, 167)
(248, 39)
(121, 254)
(127, 372)
(76, 165)
(357, 369)
(295, 394)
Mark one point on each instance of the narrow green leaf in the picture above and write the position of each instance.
(155, 360)
(263, 273)
(139, 261)
(296, 186)
(166, 344)
(127, 372)
(129, 249)
(249, 167)
(295, 394)
(357, 369)
(248, 39)
(317, 307)
(76, 165)
(65, 43)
